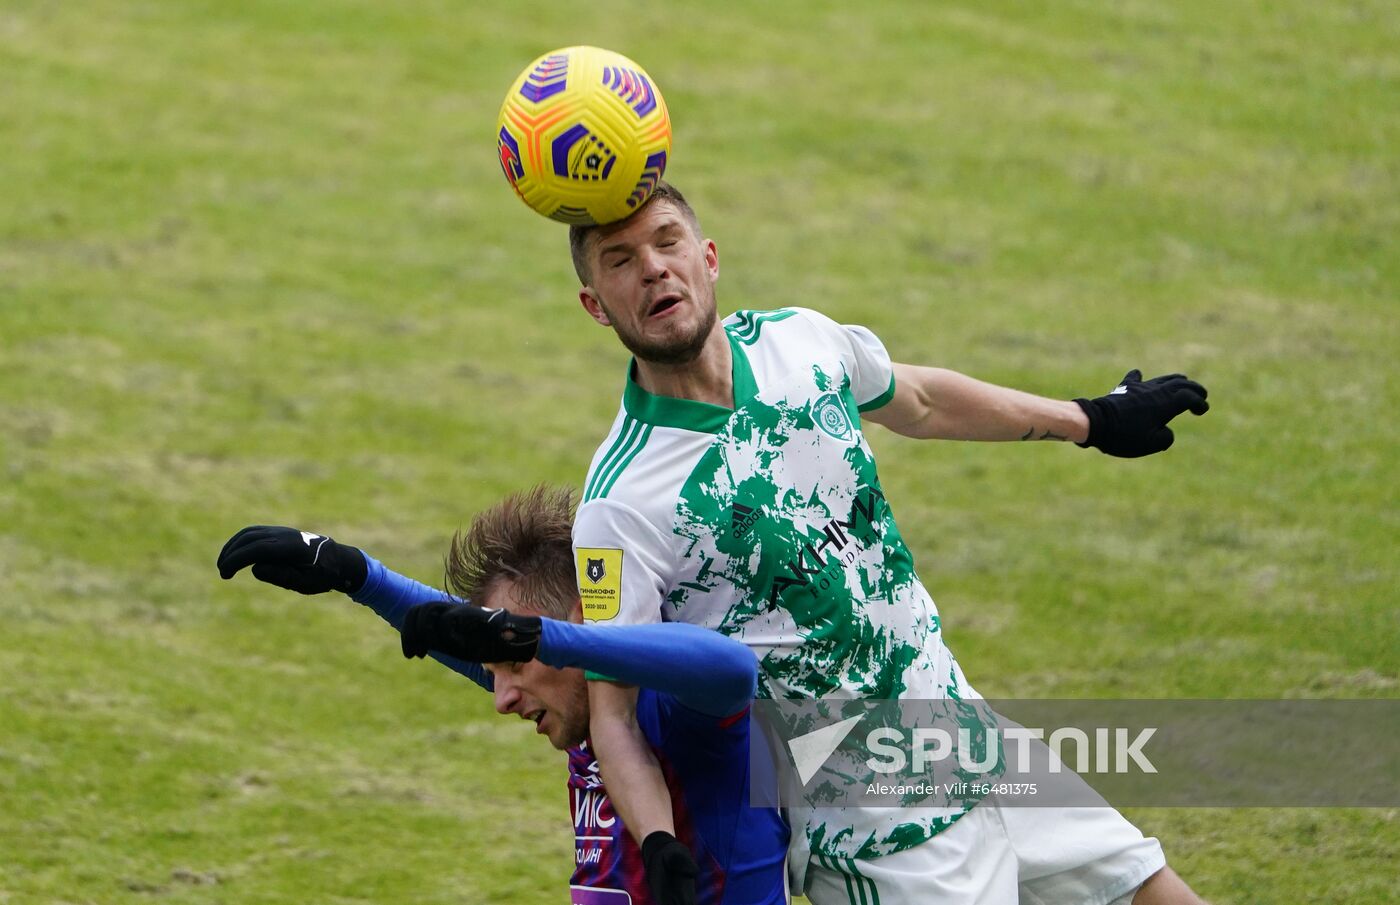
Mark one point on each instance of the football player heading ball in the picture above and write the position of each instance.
(765, 413)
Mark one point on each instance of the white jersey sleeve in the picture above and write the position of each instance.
(621, 562)
(867, 363)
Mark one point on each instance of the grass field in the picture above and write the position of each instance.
(258, 265)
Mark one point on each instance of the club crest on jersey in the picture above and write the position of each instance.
(829, 412)
(599, 582)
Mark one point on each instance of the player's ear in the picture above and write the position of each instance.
(589, 299)
(712, 258)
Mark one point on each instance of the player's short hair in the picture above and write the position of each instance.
(526, 538)
(579, 235)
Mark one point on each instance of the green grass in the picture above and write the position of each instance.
(258, 264)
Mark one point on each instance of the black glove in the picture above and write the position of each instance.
(1131, 421)
(470, 633)
(296, 560)
(671, 871)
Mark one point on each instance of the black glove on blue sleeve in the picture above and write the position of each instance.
(296, 560)
(470, 632)
(1131, 421)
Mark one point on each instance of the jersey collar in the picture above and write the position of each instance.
(688, 414)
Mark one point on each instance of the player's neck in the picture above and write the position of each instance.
(709, 378)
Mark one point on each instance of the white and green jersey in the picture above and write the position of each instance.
(767, 523)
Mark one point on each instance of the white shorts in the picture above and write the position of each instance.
(996, 855)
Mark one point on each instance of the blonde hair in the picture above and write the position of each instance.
(526, 539)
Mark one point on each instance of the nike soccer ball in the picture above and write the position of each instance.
(583, 135)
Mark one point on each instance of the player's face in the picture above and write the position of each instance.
(654, 284)
(555, 700)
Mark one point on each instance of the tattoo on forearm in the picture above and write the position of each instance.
(1048, 435)
(1027, 434)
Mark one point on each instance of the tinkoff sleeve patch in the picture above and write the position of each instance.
(599, 582)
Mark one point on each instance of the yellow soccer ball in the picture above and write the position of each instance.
(583, 135)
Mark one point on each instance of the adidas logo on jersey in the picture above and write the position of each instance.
(742, 518)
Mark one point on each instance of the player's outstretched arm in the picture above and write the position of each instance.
(316, 564)
(1129, 421)
(293, 559)
(702, 669)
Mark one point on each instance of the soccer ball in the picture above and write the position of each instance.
(583, 135)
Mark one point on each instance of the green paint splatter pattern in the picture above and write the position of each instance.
(791, 547)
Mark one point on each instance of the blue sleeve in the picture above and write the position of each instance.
(702, 669)
(391, 595)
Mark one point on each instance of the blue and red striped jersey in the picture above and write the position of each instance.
(705, 759)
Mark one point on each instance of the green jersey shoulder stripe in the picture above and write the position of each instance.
(623, 436)
(750, 323)
(747, 317)
(634, 436)
(611, 479)
(630, 439)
